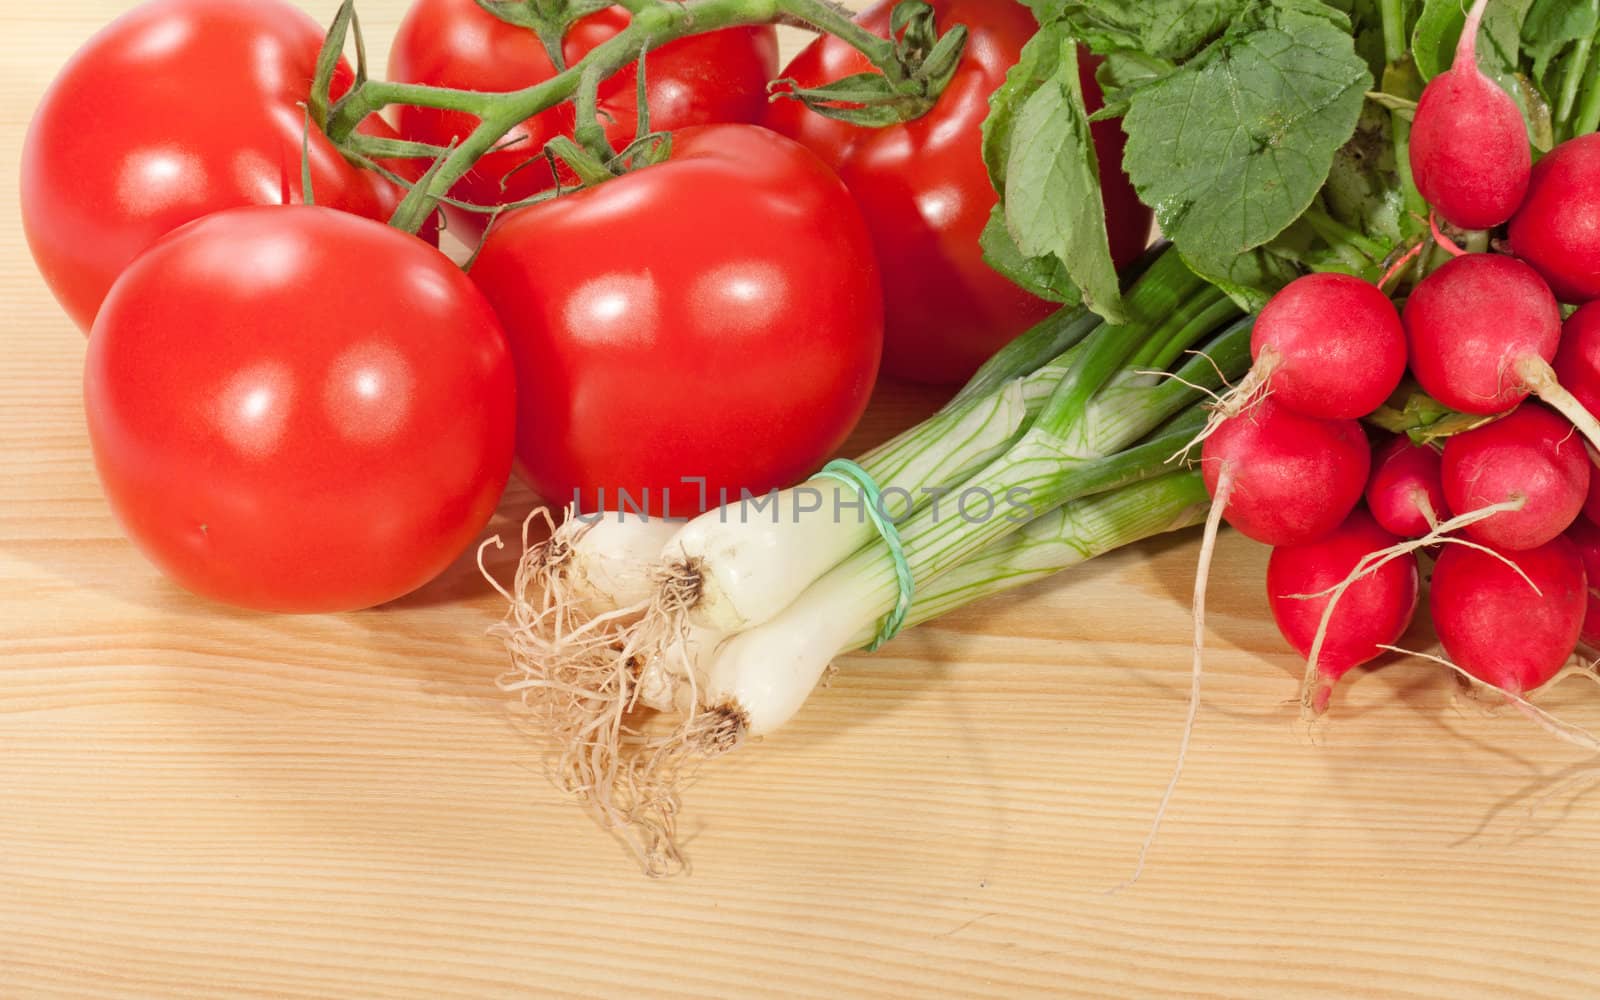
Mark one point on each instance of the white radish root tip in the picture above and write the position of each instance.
(1202, 576)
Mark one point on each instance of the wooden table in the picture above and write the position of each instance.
(196, 802)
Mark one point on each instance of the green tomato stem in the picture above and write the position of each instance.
(587, 130)
(832, 19)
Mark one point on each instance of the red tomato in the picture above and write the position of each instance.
(700, 80)
(175, 110)
(717, 315)
(296, 409)
(926, 195)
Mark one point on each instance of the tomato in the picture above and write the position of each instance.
(175, 110)
(717, 315)
(926, 195)
(703, 79)
(297, 409)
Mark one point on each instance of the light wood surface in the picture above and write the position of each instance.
(196, 802)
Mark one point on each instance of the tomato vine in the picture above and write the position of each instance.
(911, 69)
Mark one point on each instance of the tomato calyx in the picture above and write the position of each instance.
(345, 23)
(922, 63)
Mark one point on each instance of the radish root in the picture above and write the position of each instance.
(1239, 399)
(1202, 576)
(1564, 731)
(1579, 667)
(1540, 379)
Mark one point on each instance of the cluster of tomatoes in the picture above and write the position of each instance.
(295, 407)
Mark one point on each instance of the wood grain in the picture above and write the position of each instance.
(196, 802)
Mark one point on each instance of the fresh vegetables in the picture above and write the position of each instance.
(1372, 614)
(694, 316)
(1510, 619)
(175, 110)
(1530, 457)
(324, 465)
(1330, 346)
(725, 557)
(923, 187)
(499, 46)
(1577, 361)
(1481, 330)
(1585, 535)
(1553, 229)
(1469, 147)
(1283, 478)
(1406, 491)
(738, 361)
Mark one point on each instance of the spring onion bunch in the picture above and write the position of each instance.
(642, 648)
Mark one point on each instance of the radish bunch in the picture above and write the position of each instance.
(1511, 507)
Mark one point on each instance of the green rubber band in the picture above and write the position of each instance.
(845, 471)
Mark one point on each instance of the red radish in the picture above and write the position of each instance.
(1469, 146)
(1555, 228)
(1329, 345)
(1577, 361)
(1531, 454)
(1473, 323)
(1372, 612)
(1482, 331)
(1586, 536)
(1283, 478)
(1497, 627)
(1591, 503)
(1406, 491)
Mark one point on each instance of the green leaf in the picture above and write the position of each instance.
(1120, 74)
(1052, 187)
(1413, 412)
(1163, 29)
(1035, 65)
(1045, 277)
(1233, 147)
(1366, 24)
